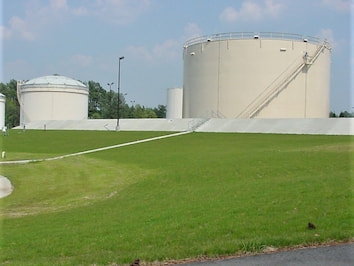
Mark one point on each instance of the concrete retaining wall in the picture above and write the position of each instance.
(320, 126)
(124, 124)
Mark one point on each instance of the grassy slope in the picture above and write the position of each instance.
(197, 194)
(35, 144)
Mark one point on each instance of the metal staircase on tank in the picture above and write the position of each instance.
(279, 84)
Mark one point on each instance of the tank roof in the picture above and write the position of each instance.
(253, 35)
(54, 81)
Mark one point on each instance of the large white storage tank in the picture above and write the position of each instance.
(2, 110)
(174, 103)
(263, 75)
(52, 98)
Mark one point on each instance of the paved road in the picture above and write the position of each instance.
(339, 255)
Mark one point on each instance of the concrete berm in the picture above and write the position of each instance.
(6, 187)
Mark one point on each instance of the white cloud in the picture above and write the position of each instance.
(39, 18)
(58, 4)
(327, 34)
(335, 43)
(36, 19)
(120, 11)
(273, 8)
(19, 69)
(169, 49)
(251, 11)
(192, 30)
(80, 11)
(338, 5)
(5, 33)
(165, 51)
(139, 52)
(229, 14)
(17, 28)
(82, 60)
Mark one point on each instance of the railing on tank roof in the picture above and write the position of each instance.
(253, 35)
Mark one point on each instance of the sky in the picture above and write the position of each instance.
(83, 39)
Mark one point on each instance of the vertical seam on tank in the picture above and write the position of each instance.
(218, 89)
(306, 69)
(52, 105)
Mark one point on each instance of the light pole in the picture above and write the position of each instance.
(110, 85)
(120, 58)
(110, 100)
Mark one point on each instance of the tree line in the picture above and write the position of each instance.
(12, 107)
(341, 114)
(102, 104)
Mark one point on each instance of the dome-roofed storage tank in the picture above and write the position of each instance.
(52, 98)
(2, 110)
(174, 103)
(263, 75)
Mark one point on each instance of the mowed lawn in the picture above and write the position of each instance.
(200, 194)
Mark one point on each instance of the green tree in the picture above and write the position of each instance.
(346, 114)
(160, 111)
(104, 104)
(332, 114)
(111, 105)
(150, 113)
(123, 107)
(12, 107)
(138, 111)
(96, 100)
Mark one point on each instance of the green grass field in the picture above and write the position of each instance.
(200, 194)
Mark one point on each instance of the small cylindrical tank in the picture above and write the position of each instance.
(174, 103)
(52, 98)
(2, 110)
